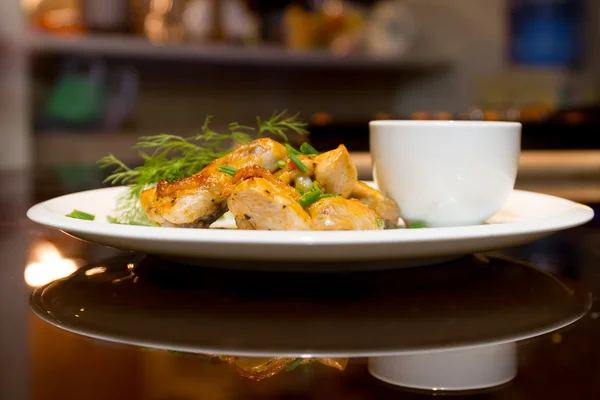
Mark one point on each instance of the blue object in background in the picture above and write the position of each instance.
(546, 33)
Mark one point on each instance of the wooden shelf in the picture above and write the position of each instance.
(137, 47)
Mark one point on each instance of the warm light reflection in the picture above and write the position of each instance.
(48, 266)
(95, 271)
(29, 6)
(333, 8)
(161, 6)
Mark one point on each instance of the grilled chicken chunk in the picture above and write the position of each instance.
(336, 172)
(262, 202)
(385, 207)
(200, 200)
(339, 214)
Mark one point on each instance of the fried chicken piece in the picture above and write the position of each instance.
(385, 207)
(199, 200)
(335, 172)
(191, 202)
(260, 201)
(339, 214)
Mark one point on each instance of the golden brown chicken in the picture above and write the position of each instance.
(339, 214)
(266, 195)
(335, 172)
(262, 202)
(385, 207)
(199, 200)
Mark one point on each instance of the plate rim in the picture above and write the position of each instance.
(579, 214)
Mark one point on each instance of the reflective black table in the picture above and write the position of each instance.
(358, 318)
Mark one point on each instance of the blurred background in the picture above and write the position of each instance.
(81, 78)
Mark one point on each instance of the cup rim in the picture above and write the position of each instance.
(409, 122)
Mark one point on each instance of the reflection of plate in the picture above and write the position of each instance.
(148, 302)
(526, 217)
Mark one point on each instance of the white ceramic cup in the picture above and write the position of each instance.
(446, 173)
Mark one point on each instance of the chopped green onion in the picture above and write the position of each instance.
(416, 226)
(308, 150)
(81, 215)
(380, 222)
(309, 198)
(281, 164)
(291, 366)
(226, 169)
(314, 195)
(292, 150)
(316, 188)
(298, 163)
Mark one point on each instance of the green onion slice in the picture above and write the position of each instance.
(308, 150)
(416, 226)
(81, 215)
(314, 195)
(292, 150)
(298, 163)
(281, 164)
(226, 169)
(309, 198)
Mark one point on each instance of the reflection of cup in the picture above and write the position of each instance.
(452, 369)
(446, 173)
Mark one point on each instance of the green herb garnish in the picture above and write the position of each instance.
(416, 225)
(298, 163)
(174, 157)
(380, 223)
(292, 150)
(309, 198)
(281, 164)
(308, 150)
(313, 196)
(81, 215)
(279, 125)
(292, 365)
(228, 170)
(113, 220)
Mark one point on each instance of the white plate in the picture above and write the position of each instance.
(525, 217)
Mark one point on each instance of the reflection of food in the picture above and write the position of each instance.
(261, 368)
(269, 186)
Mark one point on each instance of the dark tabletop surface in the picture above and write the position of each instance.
(39, 361)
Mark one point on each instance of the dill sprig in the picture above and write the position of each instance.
(173, 157)
(279, 125)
